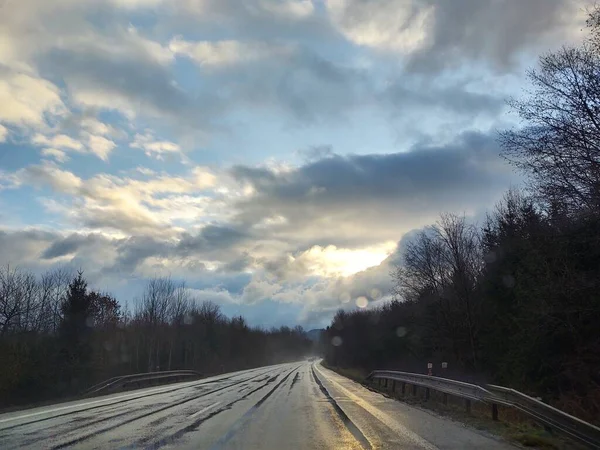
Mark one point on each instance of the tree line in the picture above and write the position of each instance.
(58, 336)
(515, 300)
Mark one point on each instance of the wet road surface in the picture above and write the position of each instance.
(290, 406)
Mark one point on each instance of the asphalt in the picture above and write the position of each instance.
(290, 406)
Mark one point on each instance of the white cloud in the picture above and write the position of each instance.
(333, 261)
(61, 141)
(55, 153)
(25, 99)
(87, 95)
(291, 9)
(94, 126)
(152, 147)
(145, 171)
(395, 25)
(3, 133)
(132, 206)
(100, 146)
(258, 290)
(224, 53)
(49, 174)
(137, 4)
(121, 44)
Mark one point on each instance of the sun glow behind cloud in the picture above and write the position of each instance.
(332, 261)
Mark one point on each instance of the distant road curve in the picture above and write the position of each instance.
(289, 406)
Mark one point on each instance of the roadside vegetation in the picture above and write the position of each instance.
(514, 300)
(58, 337)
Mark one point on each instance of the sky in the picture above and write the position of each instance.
(274, 154)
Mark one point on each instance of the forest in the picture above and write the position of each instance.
(514, 300)
(58, 337)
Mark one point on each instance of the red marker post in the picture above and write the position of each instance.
(429, 367)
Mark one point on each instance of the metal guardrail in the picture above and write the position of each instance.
(115, 383)
(551, 417)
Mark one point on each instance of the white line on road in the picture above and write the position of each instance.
(196, 414)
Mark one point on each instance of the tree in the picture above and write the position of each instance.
(559, 146)
(75, 330)
(441, 269)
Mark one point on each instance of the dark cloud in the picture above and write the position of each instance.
(303, 84)
(134, 250)
(455, 99)
(258, 19)
(239, 264)
(425, 169)
(316, 152)
(353, 194)
(71, 244)
(142, 83)
(17, 247)
(211, 238)
(491, 31)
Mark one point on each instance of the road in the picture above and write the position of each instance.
(299, 405)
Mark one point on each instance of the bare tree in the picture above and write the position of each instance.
(559, 146)
(153, 313)
(10, 298)
(179, 308)
(442, 265)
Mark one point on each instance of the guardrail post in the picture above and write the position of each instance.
(414, 389)
(494, 411)
(403, 388)
(394, 387)
(427, 394)
(468, 405)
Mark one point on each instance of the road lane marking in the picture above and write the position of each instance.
(196, 414)
(379, 414)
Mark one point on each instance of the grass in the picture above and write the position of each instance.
(512, 425)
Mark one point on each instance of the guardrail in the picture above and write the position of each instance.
(550, 417)
(140, 380)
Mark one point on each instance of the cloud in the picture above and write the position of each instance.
(58, 155)
(248, 82)
(61, 181)
(250, 11)
(127, 205)
(477, 30)
(154, 148)
(59, 144)
(25, 99)
(396, 25)
(435, 34)
(224, 53)
(71, 245)
(358, 200)
(100, 146)
(61, 141)
(23, 246)
(332, 216)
